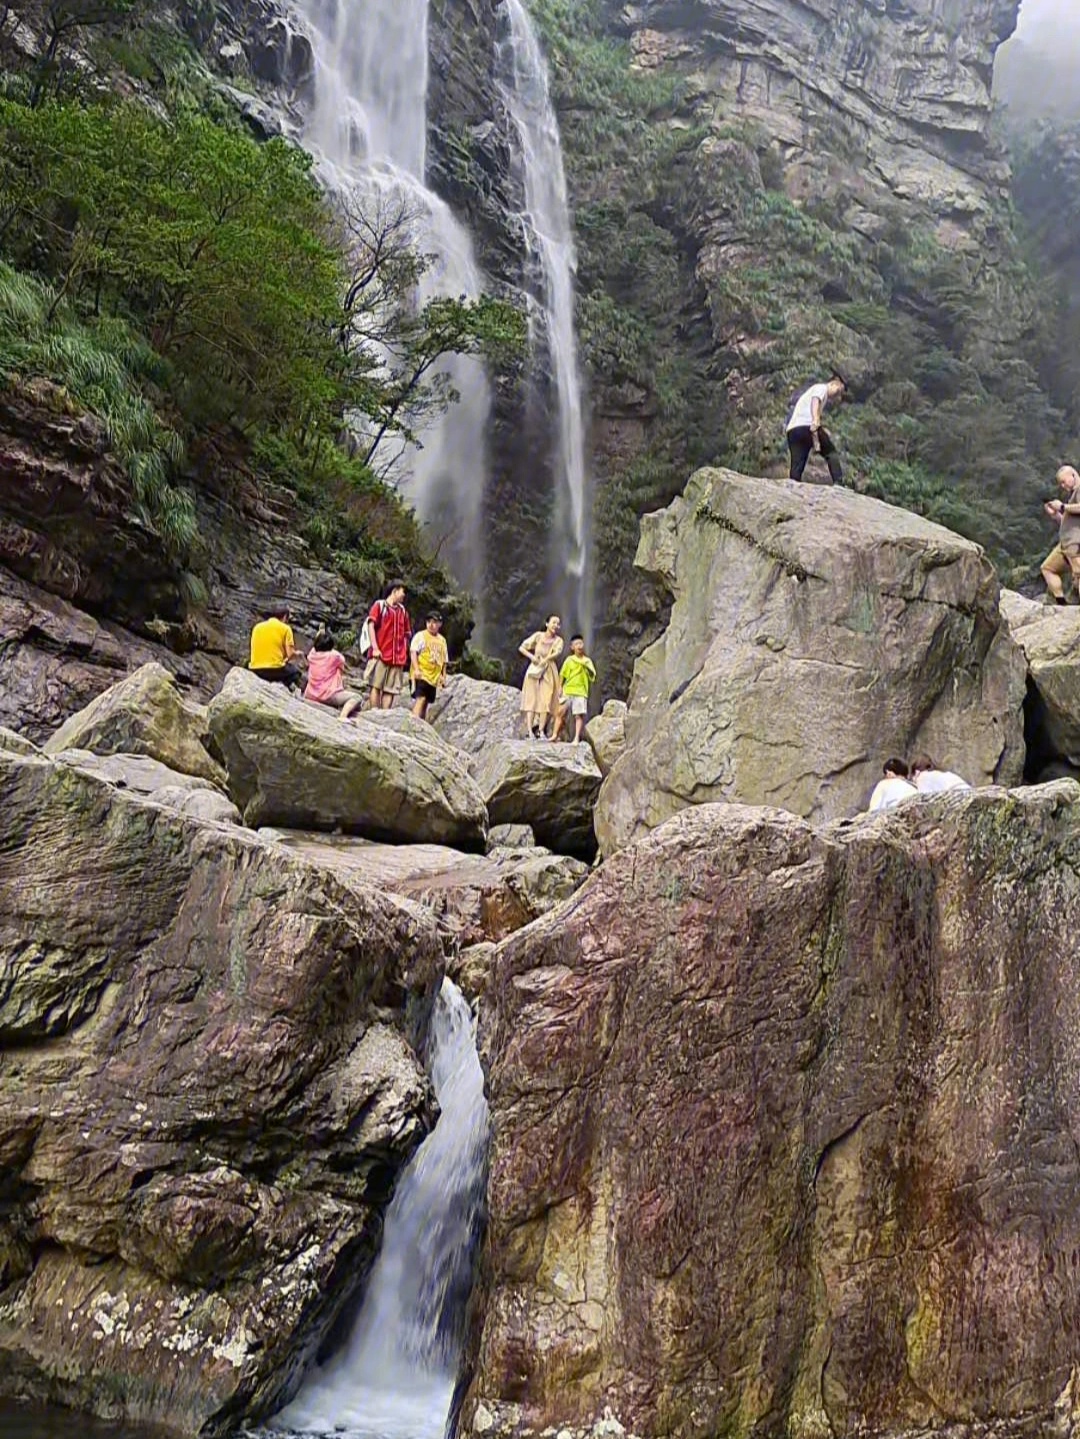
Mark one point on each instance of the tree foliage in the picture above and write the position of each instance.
(268, 309)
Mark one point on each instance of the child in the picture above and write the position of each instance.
(326, 685)
(428, 660)
(577, 675)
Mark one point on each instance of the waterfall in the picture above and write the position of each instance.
(395, 1377)
(549, 234)
(368, 129)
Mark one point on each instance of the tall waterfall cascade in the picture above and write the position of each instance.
(395, 1377)
(368, 129)
(549, 234)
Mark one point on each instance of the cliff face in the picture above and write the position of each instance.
(801, 1109)
(906, 87)
(767, 189)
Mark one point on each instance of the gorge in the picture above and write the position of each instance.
(399, 1080)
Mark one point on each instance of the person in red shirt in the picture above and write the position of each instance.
(391, 631)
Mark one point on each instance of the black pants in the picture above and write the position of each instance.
(286, 674)
(801, 443)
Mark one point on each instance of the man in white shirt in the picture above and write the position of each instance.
(806, 433)
(930, 778)
(894, 788)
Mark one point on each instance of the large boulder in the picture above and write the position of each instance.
(551, 787)
(143, 714)
(1050, 639)
(606, 733)
(475, 897)
(207, 1089)
(472, 714)
(814, 632)
(785, 1129)
(136, 772)
(296, 765)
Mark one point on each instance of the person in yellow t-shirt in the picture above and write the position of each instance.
(577, 676)
(428, 659)
(273, 649)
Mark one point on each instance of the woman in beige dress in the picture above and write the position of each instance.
(540, 690)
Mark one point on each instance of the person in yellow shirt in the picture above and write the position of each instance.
(428, 659)
(577, 676)
(273, 649)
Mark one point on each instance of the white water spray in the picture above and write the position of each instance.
(368, 127)
(395, 1377)
(549, 234)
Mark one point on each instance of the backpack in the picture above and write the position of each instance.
(367, 639)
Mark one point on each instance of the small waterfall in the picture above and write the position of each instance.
(368, 127)
(549, 234)
(395, 1377)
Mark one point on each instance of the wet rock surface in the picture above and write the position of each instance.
(171, 1250)
(801, 1107)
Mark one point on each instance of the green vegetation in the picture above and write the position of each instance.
(708, 296)
(180, 279)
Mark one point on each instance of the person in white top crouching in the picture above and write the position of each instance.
(894, 788)
(930, 778)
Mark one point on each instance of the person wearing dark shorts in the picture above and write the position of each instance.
(805, 432)
(428, 659)
(273, 649)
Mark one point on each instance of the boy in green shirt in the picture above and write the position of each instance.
(577, 674)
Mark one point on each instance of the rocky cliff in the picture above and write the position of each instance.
(763, 190)
(801, 1108)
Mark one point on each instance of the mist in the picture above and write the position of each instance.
(1038, 71)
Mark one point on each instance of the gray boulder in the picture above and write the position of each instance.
(473, 714)
(510, 836)
(298, 766)
(606, 733)
(143, 714)
(550, 787)
(1049, 636)
(476, 898)
(209, 805)
(136, 772)
(813, 633)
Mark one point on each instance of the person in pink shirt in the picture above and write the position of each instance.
(325, 682)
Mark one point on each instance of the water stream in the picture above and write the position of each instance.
(549, 235)
(394, 1378)
(368, 128)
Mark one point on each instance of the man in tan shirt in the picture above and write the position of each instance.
(1064, 558)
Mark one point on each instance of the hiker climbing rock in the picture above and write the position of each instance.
(806, 433)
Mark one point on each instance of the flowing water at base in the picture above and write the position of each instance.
(394, 1378)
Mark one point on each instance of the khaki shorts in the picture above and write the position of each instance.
(339, 700)
(390, 679)
(1062, 559)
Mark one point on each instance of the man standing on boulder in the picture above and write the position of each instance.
(391, 631)
(1064, 558)
(806, 433)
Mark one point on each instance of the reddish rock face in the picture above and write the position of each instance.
(786, 1128)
